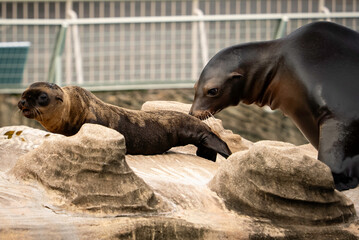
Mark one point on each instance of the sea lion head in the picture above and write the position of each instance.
(220, 84)
(41, 100)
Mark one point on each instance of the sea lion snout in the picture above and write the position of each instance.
(200, 113)
(27, 110)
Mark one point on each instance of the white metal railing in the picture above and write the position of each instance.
(178, 19)
(151, 52)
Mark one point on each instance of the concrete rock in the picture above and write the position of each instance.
(89, 173)
(281, 182)
(18, 140)
(43, 199)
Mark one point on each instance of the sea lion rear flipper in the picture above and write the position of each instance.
(211, 145)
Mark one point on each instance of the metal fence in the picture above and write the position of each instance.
(143, 44)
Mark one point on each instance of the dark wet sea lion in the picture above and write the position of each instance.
(312, 76)
(65, 110)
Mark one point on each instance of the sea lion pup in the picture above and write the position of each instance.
(65, 110)
(311, 76)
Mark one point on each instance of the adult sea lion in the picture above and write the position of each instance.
(312, 76)
(65, 110)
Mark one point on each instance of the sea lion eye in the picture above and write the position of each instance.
(43, 99)
(212, 92)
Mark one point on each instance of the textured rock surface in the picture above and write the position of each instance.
(18, 140)
(187, 208)
(89, 172)
(282, 182)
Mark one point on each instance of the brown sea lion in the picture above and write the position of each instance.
(312, 76)
(65, 110)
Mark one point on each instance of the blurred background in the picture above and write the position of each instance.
(129, 52)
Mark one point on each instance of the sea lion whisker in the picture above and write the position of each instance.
(38, 113)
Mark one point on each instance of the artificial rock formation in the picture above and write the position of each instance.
(84, 187)
(88, 172)
(281, 182)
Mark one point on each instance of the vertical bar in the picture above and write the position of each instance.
(211, 31)
(258, 23)
(164, 46)
(282, 27)
(84, 33)
(25, 10)
(123, 44)
(174, 41)
(133, 44)
(227, 26)
(26, 36)
(36, 45)
(300, 9)
(101, 48)
(92, 43)
(113, 45)
(57, 10)
(14, 16)
(153, 52)
(238, 24)
(183, 58)
(268, 23)
(194, 43)
(46, 53)
(68, 47)
(247, 23)
(218, 27)
(143, 72)
(3, 10)
(279, 10)
(354, 9)
(344, 10)
(81, 10)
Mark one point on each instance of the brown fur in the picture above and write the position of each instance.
(145, 132)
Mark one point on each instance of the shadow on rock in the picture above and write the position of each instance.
(281, 182)
(89, 173)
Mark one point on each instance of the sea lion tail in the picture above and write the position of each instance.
(211, 145)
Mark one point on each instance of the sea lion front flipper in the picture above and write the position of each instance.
(207, 153)
(210, 145)
(331, 151)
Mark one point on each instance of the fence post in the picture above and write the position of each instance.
(77, 49)
(324, 9)
(55, 64)
(194, 43)
(282, 27)
(68, 46)
(203, 37)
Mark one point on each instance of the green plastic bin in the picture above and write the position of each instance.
(13, 57)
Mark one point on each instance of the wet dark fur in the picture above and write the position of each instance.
(145, 132)
(311, 76)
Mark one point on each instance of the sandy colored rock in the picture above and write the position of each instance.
(88, 172)
(281, 182)
(186, 207)
(15, 141)
(179, 178)
(234, 141)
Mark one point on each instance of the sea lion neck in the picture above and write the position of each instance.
(259, 63)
